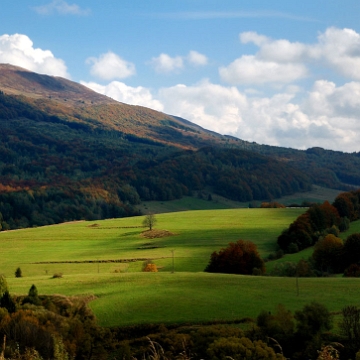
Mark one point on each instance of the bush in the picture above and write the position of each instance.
(3, 285)
(238, 258)
(352, 271)
(18, 273)
(313, 319)
(149, 266)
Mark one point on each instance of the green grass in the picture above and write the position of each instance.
(129, 296)
(196, 235)
(133, 298)
(318, 194)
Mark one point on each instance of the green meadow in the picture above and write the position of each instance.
(103, 259)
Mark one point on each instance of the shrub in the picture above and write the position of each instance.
(3, 285)
(238, 258)
(33, 297)
(149, 266)
(7, 302)
(313, 319)
(18, 273)
(352, 271)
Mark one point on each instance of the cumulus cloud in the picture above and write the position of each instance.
(209, 105)
(340, 49)
(197, 59)
(282, 61)
(61, 7)
(164, 63)
(251, 70)
(326, 116)
(110, 66)
(19, 50)
(127, 94)
(253, 37)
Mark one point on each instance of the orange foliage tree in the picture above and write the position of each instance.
(241, 257)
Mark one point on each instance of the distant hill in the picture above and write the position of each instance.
(69, 153)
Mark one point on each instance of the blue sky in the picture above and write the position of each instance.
(276, 72)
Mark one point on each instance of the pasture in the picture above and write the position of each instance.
(88, 255)
(193, 236)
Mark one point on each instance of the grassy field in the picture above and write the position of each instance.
(135, 298)
(194, 236)
(125, 295)
(318, 194)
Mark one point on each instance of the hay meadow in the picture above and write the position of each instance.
(103, 260)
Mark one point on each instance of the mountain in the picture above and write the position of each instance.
(67, 153)
(78, 104)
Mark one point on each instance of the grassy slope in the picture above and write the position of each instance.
(318, 195)
(132, 297)
(196, 235)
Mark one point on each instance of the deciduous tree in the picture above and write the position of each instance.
(238, 258)
(149, 221)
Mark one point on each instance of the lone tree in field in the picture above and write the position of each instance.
(149, 221)
(18, 273)
(241, 257)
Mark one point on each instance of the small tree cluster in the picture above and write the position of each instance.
(300, 334)
(272, 205)
(241, 257)
(332, 255)
(307, 228)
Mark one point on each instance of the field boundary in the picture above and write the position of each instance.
(100, 261)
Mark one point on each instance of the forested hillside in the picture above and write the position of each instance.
(67, 153)
(53, 170)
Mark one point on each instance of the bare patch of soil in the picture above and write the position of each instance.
(93, 225)
(155, 234)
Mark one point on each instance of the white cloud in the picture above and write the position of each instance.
(209, 105)
(253, 37)
(281, 61)
(166, 64)
(253, 71)
(326, 116)
(195, 58)
(111, 66)
(18, 50)
(61, 7)
(127, 94)
(340, 49)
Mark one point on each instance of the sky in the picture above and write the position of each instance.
(278, 72)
